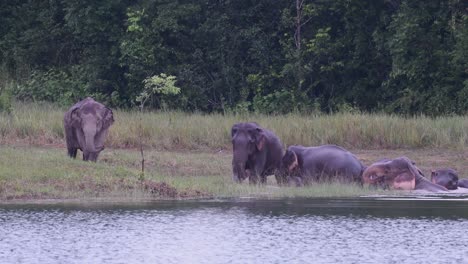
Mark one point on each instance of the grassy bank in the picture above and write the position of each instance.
(188, 155)
(41, 173)
(39, 124)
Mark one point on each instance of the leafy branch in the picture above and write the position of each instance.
(161, 84)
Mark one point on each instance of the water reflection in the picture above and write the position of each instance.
(238, 231)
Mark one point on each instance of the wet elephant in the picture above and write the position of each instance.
(257, 152)
(463, 183)
(304, 165)
(86, 126)
(400, 173)
(445, 177)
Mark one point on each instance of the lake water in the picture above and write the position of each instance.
(366, 230)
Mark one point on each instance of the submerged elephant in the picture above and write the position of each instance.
(303, 165)
(445, 177)
(448, 178)
(257, 152)
(399, 173)
(86, 126)
(463, 183)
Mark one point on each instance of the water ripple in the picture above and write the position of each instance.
(226, 234)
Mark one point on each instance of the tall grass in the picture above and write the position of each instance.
(42, 124)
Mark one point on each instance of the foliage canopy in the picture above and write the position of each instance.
(268, 56)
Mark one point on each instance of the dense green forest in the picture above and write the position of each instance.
(268, 56)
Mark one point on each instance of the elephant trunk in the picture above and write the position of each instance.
(239, 161)
(89, 134)
(239, 172)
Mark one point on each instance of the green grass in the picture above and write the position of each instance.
(41, 124)
(42, 173)
(188, 155)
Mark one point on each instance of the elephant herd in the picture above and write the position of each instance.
(258, 152)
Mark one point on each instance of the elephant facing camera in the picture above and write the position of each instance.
(86, 126)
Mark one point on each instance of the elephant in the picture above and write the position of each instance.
(463, 183)
(445, 177)
(86, 127)
(304, 165)
(257, 152)
(400, 173)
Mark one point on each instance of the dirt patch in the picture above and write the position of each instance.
(164, 189)
(160, 188)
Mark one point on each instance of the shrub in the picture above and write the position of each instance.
(62, 86)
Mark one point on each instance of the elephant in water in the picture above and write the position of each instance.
(463, 183)
(399, 173)
(86, 126)
(448, 178)
(304, 165)
(445, 177)
(257, 152)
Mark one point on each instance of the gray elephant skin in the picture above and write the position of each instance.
(257, 152)
(86, 127)
(446, 177)
(304, 165)
(463, 183)
(400, 173)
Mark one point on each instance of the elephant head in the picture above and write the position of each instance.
(248, 139)
(445, 177)
(289, 169)
(399, 173)
(91, 122)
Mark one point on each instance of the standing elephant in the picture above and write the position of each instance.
(399, 173)
(256, 152)
(303, 165)
(86, 126)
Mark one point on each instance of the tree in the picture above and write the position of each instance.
(161, 84)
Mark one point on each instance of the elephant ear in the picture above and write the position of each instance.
(234, 129)
(259, 138)
(108, 118)
(75, 118)
(290, 160)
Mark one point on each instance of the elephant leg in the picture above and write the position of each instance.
(85, 155)
(253, 177)
(280, 180)
(263, 179)
(72, 152)
(297, 181)
(247, 174)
